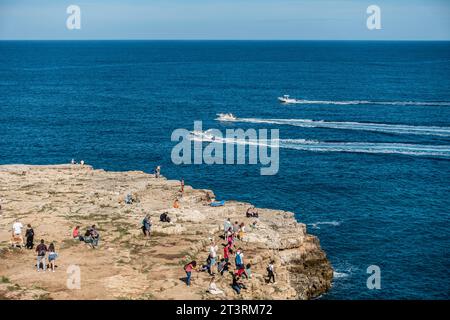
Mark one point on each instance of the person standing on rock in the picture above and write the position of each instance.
(52, 255)
(157, 172)
(230, 238)
(188, 269)
(271, 272)
(17, 233)
(29, 235)
(41, 250)
(236, 228)
(182, 185)
(226, 227)
(226, 252)
(212, 256)
(146, 225)
(238, 259)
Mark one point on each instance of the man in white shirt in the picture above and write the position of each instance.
(212, 256)
(17, 228)
(16, 239)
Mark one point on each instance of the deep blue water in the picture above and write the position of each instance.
(115, 105)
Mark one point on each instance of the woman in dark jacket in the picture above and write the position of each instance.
(29, 234)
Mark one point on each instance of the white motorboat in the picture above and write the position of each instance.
(286, 99)
(226, 117)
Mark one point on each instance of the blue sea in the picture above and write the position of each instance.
(365, 162)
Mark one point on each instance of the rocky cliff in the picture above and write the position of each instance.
(54, 199)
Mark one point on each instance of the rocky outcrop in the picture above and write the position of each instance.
(56, 198)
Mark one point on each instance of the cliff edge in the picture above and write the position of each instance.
(54, 199)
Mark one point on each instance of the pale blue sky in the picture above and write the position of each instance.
(226, 19)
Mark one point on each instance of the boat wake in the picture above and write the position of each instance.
(364, 126)
(320, 146)
(316, 225)
(368, 102)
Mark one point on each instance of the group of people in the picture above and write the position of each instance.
(73, 161)
(242, 269)
(41, 249)
(252, 212)
(91, 236)
(232, 231)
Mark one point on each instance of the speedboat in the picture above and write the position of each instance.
(286, 99)
(226, 117)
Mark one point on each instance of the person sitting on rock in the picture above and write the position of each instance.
(76, 234)
(129, 198)
(92, 236)
(236, 285)
(164, 217)
(251, 212)
(95, 236)
(176, 204)
(146, 225)
(213, 288)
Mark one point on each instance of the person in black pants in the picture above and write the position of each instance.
(29, 234)
(270, 272)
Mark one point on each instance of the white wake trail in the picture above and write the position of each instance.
(368, 102)
(319, 146)
(362, 126)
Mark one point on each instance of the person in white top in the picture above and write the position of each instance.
(213, 288)
(226, 226)
(212, 255)
(17, 228)
(270, 272)
(16, 238)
